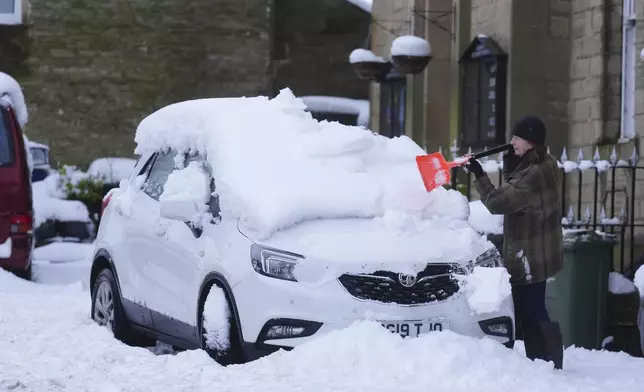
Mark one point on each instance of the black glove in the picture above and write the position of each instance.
(475, 167)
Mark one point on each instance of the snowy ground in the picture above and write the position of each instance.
(49, 343)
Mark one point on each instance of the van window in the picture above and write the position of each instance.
(6, 145)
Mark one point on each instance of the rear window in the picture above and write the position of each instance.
(6, 145)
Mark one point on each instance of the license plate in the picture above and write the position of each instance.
(416, 328)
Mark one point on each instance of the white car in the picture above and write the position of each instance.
(248, 226)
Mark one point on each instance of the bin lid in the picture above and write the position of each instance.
(579, 236)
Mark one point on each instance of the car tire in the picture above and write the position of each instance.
(231, 355)
(107, 310)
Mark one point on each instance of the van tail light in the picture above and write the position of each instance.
(21, 224)
(105, 202)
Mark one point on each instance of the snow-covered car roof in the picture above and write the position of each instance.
(37, 145)
(111, 169)
(276, 166)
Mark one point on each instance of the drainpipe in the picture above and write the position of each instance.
(627, 130)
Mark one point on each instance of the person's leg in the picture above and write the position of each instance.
(524, 313)
(543, 335)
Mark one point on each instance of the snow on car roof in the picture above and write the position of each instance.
(13, 91)
(276, 166)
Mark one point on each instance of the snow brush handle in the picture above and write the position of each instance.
(493, 151)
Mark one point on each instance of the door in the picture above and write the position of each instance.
(177, 263)
(145, 237)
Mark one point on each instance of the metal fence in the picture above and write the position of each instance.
(590, 197)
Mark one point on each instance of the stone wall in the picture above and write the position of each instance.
(98, 68)
(313, 41)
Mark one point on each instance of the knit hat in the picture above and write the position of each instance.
(530, 128)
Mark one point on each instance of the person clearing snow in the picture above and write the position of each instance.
(530, 199)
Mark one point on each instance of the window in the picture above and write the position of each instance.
(10, 12)
(40, 156)
(162, 166)
(392, 106)
(6, 144)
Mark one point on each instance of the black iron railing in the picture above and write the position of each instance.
(589, 197)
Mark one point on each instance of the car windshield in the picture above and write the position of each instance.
(6, 145)
(39, 156)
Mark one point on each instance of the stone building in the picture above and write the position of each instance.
(91, 70)
(574, 63)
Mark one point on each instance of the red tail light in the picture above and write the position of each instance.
(106, 201)
(21, 224)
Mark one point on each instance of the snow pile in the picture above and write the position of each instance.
(483, 221)
(5, 248)
(63, 263)
(49, 204)
(50, 343)
(639, 280)
(364, 56)
(619, 284)
(410, 45)
(276, 166)
(14, 97)
(486, 288)
(216, 320)
(111, 170)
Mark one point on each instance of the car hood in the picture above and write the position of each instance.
(395, 242)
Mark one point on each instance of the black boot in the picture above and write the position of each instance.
(552, 343)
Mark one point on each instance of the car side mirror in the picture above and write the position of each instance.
(181, 209)
(186, 194)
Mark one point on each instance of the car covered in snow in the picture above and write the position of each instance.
(41, 161)
(248, 226)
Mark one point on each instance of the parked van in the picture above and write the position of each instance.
(16, 207)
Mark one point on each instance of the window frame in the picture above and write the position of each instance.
(14, 18)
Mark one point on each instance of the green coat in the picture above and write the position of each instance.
(530, 200)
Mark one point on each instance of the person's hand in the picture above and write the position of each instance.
(474, 167)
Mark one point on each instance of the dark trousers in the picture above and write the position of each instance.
(529, 305)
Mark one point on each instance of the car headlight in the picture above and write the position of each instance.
(490, 258)
(274, 263)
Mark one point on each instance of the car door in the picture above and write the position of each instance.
(145, 235)
(127, 218)
(177, 263)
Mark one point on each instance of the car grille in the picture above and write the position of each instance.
(435, 283)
